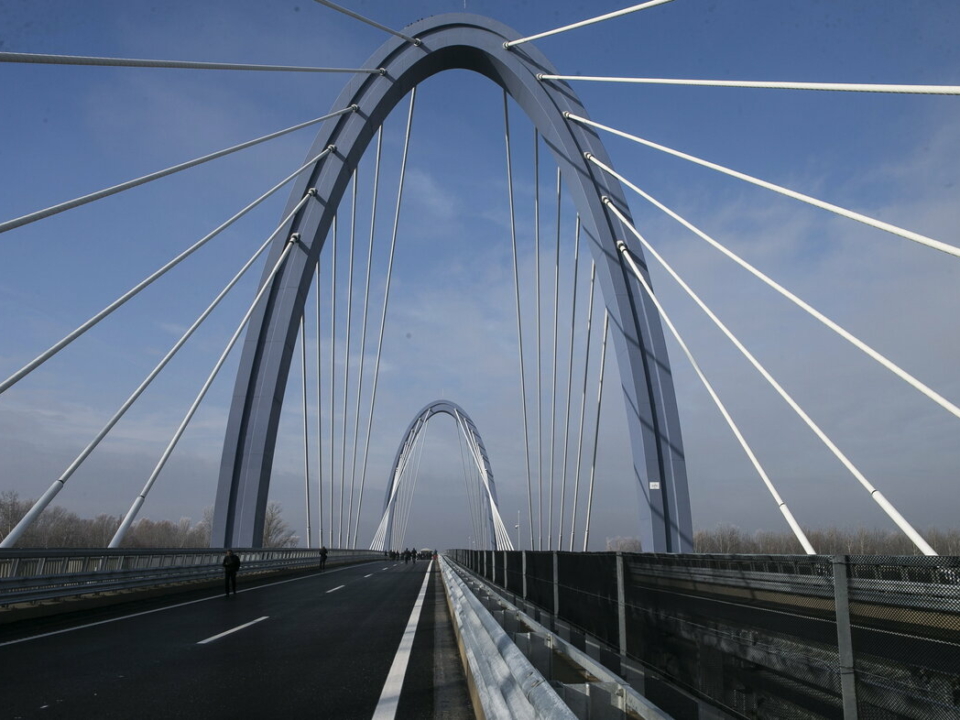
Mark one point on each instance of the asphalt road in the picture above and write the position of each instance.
(317, 646)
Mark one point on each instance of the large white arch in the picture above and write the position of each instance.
(496, 529)
(475, 43)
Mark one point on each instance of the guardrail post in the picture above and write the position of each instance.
(523, 564)
(556, 588)
(848, 678)
(621, 607)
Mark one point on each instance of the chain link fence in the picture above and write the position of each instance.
(776, 637)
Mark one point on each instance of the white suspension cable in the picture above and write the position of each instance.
(363, 334)
(516, 287)
(306, 428)
(319, 365)
(553, 381)
(12, 57)
(386, 291)
(891, 511)
(390, 506)
(828, 87)
(849, 337)
(583, 407)
(58, 484)
(416, 478)
(368, 21)
(333, 373)
(138, 503)
(500, 530)
(378, 543)
(836, 209)
(596, 430)
(539, 363)
(781, 505)
(403, 486)
(346, 382)
(53, 350)
(346, 360)
(566, 419)
(466, 482)
(464, 435)
(583, 23)
(106, 192)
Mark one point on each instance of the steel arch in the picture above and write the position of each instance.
(410, 435)
(457, 41)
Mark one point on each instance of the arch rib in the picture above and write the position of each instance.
(465, 426)
(459, 41)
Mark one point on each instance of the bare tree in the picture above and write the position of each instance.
(624, 544)
(276, 532)
(12, 509)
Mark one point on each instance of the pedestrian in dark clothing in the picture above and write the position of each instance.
(323, 557)
(231, 563)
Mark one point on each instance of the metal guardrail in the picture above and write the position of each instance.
(802, 637)
(520, 667)
(28, 576)
(503, 681)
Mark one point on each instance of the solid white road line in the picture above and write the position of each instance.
(390, 697)
(227, 632)
(339, 587)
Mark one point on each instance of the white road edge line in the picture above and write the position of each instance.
(339, 587)
(168, 607)
(390, 697)
(233, 630)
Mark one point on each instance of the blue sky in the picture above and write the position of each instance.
(66, 131)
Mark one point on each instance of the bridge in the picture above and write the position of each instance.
(493, 263)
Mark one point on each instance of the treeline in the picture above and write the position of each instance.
(826, 541)
(57, 527)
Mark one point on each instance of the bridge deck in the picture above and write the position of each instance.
(319, 645)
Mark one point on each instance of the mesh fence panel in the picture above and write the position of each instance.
(499, 577)
(514, 573)
(905, 613)
(540, 579)
(756, 635)
(588, 594)
(752, 634)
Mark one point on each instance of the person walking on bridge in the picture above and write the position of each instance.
(323, 557)
(231, 563)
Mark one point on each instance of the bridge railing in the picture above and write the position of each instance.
(35, 575)
(755, 635)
